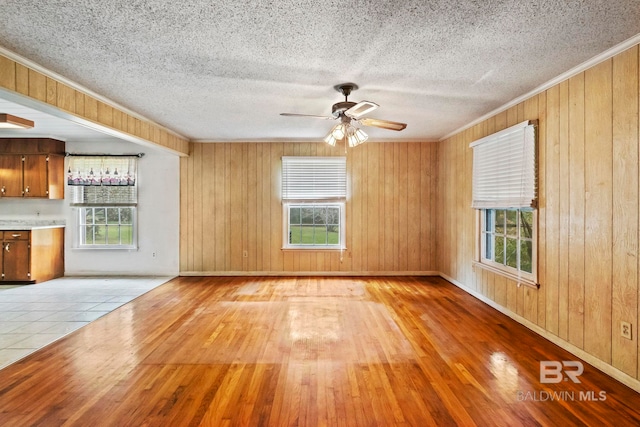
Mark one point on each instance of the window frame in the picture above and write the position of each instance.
(514, 273)
(286, 213)
(504, 178)
(94, 183)
(81, 228)
(309, 181)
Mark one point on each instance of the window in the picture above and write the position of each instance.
(314, 225)
(313, 193)
(104, 192)
(107, 226)
(505, 194)
(508, 240)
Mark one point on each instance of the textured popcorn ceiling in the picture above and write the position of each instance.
(224, 70)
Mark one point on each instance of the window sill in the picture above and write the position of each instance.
(313, 249)
(106, 248)
(519, 280)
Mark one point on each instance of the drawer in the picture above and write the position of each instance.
(16, 235)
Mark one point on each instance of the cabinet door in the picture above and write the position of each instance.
(10, 175)
(35, 175)
(15, 260)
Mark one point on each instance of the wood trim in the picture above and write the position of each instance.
(53, 96)
(308, 273)
(25, 65)
(32, 146)
(518, 280)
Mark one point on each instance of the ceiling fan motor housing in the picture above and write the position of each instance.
(340, 107)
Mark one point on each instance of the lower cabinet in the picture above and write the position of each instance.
(15, 256)
(32, 256)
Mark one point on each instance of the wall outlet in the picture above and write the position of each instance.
(245, 254)
(153, 254)
(625, 330)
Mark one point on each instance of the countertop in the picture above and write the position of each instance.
(30, 224)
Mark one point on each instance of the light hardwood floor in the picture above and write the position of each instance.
(305, 351)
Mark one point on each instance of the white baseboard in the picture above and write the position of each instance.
(309, 273)
(117, 273)
(613, 372)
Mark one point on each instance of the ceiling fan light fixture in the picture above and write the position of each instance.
(356, 137)
(329, 139)
(7, 121)
(339, 131)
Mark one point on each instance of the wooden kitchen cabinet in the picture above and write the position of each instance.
(32, 256)
(15, 256)
(43, 176)
(10, 175)
(32, 167)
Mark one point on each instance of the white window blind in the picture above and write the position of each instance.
(504, 168)
(314, 178)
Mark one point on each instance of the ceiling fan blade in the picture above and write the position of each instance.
(307, 115)
(360, 109)
(385, 124)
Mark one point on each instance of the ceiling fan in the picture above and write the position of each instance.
(348, 113)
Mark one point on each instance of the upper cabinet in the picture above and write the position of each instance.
(10, 175)
(32, 167)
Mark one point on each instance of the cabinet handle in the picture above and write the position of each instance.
(3, 190)
(16, 235)
(26, 190)
(6, 248)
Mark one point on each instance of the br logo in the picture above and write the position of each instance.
(553, 372)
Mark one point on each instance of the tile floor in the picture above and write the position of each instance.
(32, 316)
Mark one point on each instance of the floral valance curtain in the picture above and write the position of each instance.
(102, 171)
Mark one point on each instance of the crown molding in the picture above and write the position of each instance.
(304, 140)
(607, 54)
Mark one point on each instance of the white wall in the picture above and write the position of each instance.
(158, 217)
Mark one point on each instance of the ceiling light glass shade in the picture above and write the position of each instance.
(351, 135)
(353, 141)
(357, 137)
(7, 121)
(339, 131)
(362, 136)
(329, 139)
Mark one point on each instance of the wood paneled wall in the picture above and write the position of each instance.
(33, 84)
(588, 215)
(230, 203)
